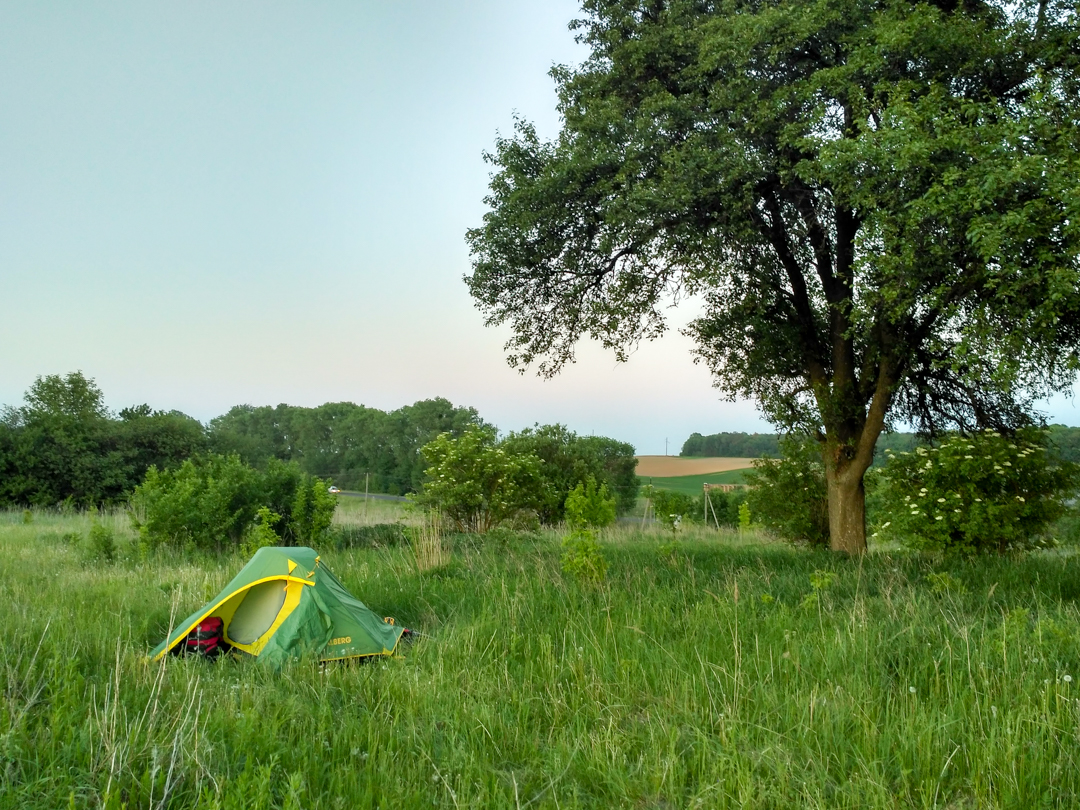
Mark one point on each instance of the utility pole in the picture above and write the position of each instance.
(665, 445)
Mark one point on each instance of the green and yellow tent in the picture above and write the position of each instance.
(284, 604)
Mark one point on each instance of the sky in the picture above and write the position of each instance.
(211, 204)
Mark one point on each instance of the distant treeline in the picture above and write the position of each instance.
(732, 445)
(64, 446)
(341, 440)
(756, 445)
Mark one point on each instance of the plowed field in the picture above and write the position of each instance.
(671, 466)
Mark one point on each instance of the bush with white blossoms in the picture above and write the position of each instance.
(980, 493)
(476, 484)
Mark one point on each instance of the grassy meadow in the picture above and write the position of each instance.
(694, 484)
(719, 671)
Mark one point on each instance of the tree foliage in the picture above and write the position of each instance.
(874, 200)
(570, 459)
(353, 444)
(788, 495)
(63, 445)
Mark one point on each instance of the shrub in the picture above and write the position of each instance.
(582, 557)
(311, 512)
(672, 506)
(744, 517)
(477, 484)
(979, 493)
(207, 502)
(788, 496)
(211, 502)
(725, 506)
(589, 506)
(260, 532)
(102, 543)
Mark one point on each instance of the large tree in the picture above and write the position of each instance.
(875, 201)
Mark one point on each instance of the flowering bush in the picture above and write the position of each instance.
(979, 493)
(476, 483)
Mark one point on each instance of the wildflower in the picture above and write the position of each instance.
(1007, 463)
(1067, 678)
(968, 456)
(1020, 498)
(957, 510)
(911, 689)
(887, 524)
(979, 500)
(941, 500)
(939, 517)
(993, 712)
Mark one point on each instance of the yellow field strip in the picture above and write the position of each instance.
(671, 466)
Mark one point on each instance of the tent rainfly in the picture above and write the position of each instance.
(283, 604)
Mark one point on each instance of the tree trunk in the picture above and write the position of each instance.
(847, 507)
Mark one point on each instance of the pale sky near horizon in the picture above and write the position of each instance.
(208, 204)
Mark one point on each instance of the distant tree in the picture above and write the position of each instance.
(59, 447)
(1064, 442)
(147, 438)
(731, 445)
(74, 397)
(348, 442)
(63, 444)
(874, 199)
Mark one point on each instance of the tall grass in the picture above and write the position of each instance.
(429, 549)
(354, 511)
(825, 683)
